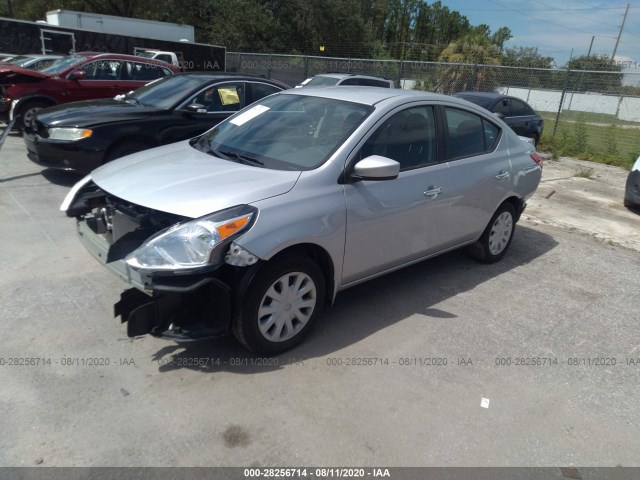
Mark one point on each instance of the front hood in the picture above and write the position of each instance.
(93, 112)
(181, 180)
(11, 75)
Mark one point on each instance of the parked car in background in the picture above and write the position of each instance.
(632, 190)
(253, 226)
(33, 61)
(515, 112)
(82, 76)
(332, 79)
(6, 56)
(83, 135)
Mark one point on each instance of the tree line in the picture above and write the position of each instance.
(412, 30)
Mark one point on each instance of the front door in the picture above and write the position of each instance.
(392, 222)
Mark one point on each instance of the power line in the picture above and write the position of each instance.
(524, 12)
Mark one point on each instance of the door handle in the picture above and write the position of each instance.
(433, 192)
(503, 175)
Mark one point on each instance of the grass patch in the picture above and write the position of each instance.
(612, 144)
(584, 173)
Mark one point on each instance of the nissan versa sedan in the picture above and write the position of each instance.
(81, 136)
(254, 226)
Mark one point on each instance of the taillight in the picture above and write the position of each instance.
(538, 159)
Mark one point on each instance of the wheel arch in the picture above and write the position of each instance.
(29, 98)
(311, 250)
(322, 258)
(517, 203)
(133, 138)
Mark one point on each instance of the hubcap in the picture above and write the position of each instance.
(29, 116)
(287, 307)
(500, 233)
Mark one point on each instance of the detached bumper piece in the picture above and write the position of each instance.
(182, 317)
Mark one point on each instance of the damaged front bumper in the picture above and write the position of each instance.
(182, 306)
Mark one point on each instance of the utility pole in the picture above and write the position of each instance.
(615, 49)
(591, 46)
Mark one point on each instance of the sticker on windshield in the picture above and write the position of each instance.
(249, 114)
(229, 96)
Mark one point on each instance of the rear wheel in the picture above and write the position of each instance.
(279, 305)
(496, 238)
(26, 113)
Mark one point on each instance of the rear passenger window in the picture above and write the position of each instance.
(373, 83)
(519, 108)
(408, 137)
(469, 134)
(260, 90)
(351, 81)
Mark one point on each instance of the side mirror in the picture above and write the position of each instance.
(78, 75)
(195, 108)
(376, 167)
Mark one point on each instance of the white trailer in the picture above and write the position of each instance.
(110, 24)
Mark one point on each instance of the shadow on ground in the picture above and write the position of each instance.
(392, 298)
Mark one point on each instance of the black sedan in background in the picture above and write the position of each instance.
(516, 113)
(81, 136)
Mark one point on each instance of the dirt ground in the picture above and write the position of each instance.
(585, 197)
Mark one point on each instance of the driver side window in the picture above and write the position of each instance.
(221, 98)
(408, 137)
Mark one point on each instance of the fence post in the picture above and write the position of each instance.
(564, 92)
(400, 73)
(269, 66)
(306, 67)
(474, 72)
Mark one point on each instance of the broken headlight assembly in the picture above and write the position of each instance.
(193, 244)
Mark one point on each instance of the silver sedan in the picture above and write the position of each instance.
(254, 226)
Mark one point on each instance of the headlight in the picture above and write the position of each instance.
(191, 244)
(70, 134)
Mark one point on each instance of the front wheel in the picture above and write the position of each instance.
(496, 238)
(26, 113)
(279, 305)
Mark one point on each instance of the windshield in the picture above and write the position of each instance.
(167, 91)
(63, 63)
(321, 82)
(20, 60)
(286, 132)
(147, 54)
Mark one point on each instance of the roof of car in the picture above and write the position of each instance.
(367, 95)
(215, 75)
(480, 94)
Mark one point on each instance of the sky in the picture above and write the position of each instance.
(558, 26)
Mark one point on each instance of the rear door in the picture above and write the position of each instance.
(520, 117)
(479, 172)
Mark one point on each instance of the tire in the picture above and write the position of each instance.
(496, 238)
(27, 112)
(125, 148)
(266, 326)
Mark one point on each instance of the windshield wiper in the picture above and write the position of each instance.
(239, 157)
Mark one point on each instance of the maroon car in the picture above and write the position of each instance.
(82, 76)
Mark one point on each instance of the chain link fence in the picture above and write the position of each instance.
(588, 114)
